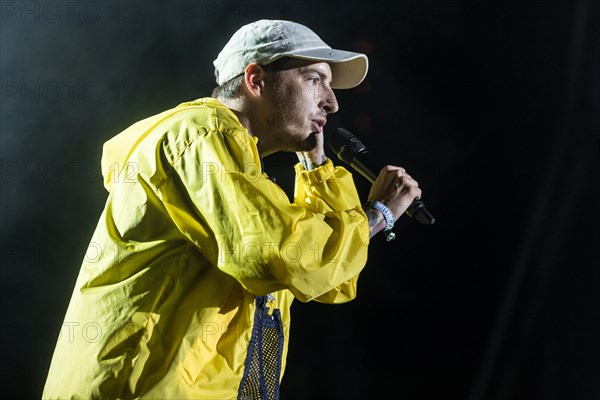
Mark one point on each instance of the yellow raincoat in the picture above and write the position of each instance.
(193, 232)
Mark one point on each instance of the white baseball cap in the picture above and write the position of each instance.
(265, 41)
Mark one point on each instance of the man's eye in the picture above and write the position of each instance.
(314, 80)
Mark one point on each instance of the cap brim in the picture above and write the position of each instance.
(348, 69)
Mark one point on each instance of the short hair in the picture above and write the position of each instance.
(231, 89)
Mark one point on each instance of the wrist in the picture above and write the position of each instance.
(375, 220)
(311, 160)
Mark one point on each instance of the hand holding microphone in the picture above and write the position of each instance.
(392, 185)
(395, 188)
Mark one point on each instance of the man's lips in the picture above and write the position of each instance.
(318, 124)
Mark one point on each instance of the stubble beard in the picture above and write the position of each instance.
(285, 100)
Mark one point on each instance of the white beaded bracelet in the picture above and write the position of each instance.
(387, 215)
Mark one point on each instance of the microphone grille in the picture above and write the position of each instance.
(345, 144)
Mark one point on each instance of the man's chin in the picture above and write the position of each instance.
(310, 143)
(304, 146)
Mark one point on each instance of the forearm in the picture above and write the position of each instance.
(376, 221)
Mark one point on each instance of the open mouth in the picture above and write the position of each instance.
(318, 124)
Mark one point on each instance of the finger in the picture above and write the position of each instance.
(415, 192)
(410, 181)
(393, 168)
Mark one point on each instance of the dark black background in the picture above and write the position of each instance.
(492, 106)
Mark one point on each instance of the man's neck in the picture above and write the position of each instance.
(241, 112)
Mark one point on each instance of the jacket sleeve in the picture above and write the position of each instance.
(246, 225)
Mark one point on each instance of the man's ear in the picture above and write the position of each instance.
(254, 79)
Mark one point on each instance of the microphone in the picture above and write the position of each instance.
(352, 151)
